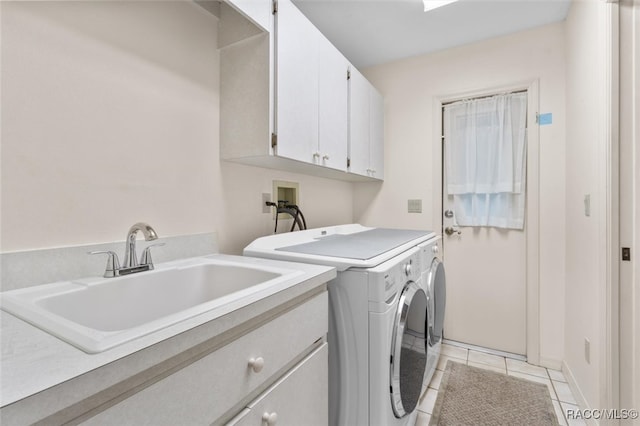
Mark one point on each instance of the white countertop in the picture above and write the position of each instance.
(33, 360)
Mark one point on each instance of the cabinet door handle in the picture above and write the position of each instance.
(316, 155)
(256, 364)
(325, 157)
(270, 418)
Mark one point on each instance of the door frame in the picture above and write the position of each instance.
(532, 235)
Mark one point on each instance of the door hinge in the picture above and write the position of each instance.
(348, 74)
(274, 140)
(348, 162)
(275, 6)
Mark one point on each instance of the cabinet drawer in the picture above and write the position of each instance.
(299, 398)
(204, 390)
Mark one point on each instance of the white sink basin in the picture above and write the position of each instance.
(96, 314)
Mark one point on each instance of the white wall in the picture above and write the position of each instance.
(586, 165)
(629, 206)
(110, 116)
(410, 87)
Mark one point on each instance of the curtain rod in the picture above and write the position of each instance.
(484, 97)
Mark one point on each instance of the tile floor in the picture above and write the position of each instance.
(561, 395)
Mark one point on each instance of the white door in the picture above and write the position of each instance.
(486, 282)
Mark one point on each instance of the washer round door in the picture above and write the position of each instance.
(437, 285)
(408, 350)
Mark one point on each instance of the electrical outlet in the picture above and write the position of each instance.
(587, 350)
(266, 197)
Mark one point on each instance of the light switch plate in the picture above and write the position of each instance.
(414, 206)
(587, 350)
(587, 205)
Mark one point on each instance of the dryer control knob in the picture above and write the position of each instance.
(435, 249)
(407, 268)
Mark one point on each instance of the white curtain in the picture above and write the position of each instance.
(485, 154)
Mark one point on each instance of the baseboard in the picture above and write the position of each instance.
(554, 364)
(577, 392)
(485, 350)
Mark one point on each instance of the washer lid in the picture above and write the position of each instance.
(343, 242)
(361, 246)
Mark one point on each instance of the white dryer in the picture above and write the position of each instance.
(434, 284)
(379, 317)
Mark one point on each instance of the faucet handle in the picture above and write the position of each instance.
(113, 264)
(145, 257)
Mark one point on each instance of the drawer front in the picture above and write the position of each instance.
(299, 398)
(206, 389)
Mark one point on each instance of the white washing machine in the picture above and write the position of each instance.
(378, 316)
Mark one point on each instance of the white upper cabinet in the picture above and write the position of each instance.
(358, 123)
(285, 96)
(366, 135)
(333, 90)
(312, 92)
(297, 97)
(376, 134)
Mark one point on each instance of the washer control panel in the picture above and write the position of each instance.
(389, 278)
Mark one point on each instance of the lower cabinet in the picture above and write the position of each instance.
(299, 398)
(286, 355)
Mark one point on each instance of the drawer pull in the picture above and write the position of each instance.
(270, 418)
(256, 364)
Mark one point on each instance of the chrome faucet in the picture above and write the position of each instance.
(131, 264)
(130, 259)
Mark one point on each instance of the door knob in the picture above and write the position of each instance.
(450, 230)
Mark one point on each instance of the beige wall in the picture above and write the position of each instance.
(410, 88)
(586, 168)
(629, 196)
(110, 116)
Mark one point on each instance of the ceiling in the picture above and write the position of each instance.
(372, 32)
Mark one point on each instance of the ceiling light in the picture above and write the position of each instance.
(434, 4)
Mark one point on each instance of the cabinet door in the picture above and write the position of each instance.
(333, 107)
(376, 134)
(359, 90)
(299, 398)
(204, 390)
(297, 84)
